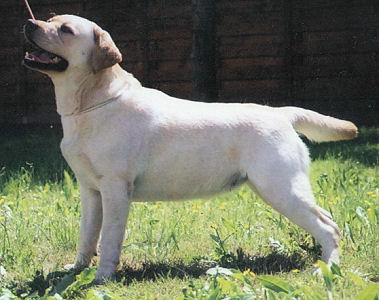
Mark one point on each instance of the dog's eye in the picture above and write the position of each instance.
(66, 29)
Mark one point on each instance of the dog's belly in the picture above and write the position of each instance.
(160, 189)
(182, 181)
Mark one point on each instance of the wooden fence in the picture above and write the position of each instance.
(316, 54)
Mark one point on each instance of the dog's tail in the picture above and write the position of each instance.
(317, 127)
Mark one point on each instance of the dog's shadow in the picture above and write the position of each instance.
(151, 271)
(266, 264)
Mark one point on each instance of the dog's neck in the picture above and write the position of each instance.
(88, 89)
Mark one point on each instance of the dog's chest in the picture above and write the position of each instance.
(80, 162)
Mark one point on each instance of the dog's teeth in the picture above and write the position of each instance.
(56, 59)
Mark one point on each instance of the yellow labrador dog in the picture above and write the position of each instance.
(129, 143)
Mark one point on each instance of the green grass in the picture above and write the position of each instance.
(170, 246)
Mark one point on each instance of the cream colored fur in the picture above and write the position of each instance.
(144, 145)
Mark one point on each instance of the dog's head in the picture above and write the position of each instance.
(69, 42)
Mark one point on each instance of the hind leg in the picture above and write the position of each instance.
(297, 204)
(284, 184)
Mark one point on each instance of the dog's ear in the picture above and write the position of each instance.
(105, 53)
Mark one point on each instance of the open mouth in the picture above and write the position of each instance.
(44, 60)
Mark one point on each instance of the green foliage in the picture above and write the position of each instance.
(221, 253)
(371, 292)
(232, 284)
(275, 284)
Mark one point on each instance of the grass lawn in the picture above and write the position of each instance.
(232, 246)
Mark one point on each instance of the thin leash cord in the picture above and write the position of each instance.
(29, 9)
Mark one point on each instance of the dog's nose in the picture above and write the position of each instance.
(30, 26)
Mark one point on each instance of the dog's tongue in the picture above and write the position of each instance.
(40, 56)
(44, 57)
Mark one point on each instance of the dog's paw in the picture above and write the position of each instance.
(102, 277)
(98, 281)
(82, 261)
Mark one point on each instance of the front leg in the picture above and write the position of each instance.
(116, 204)
(90, 225)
